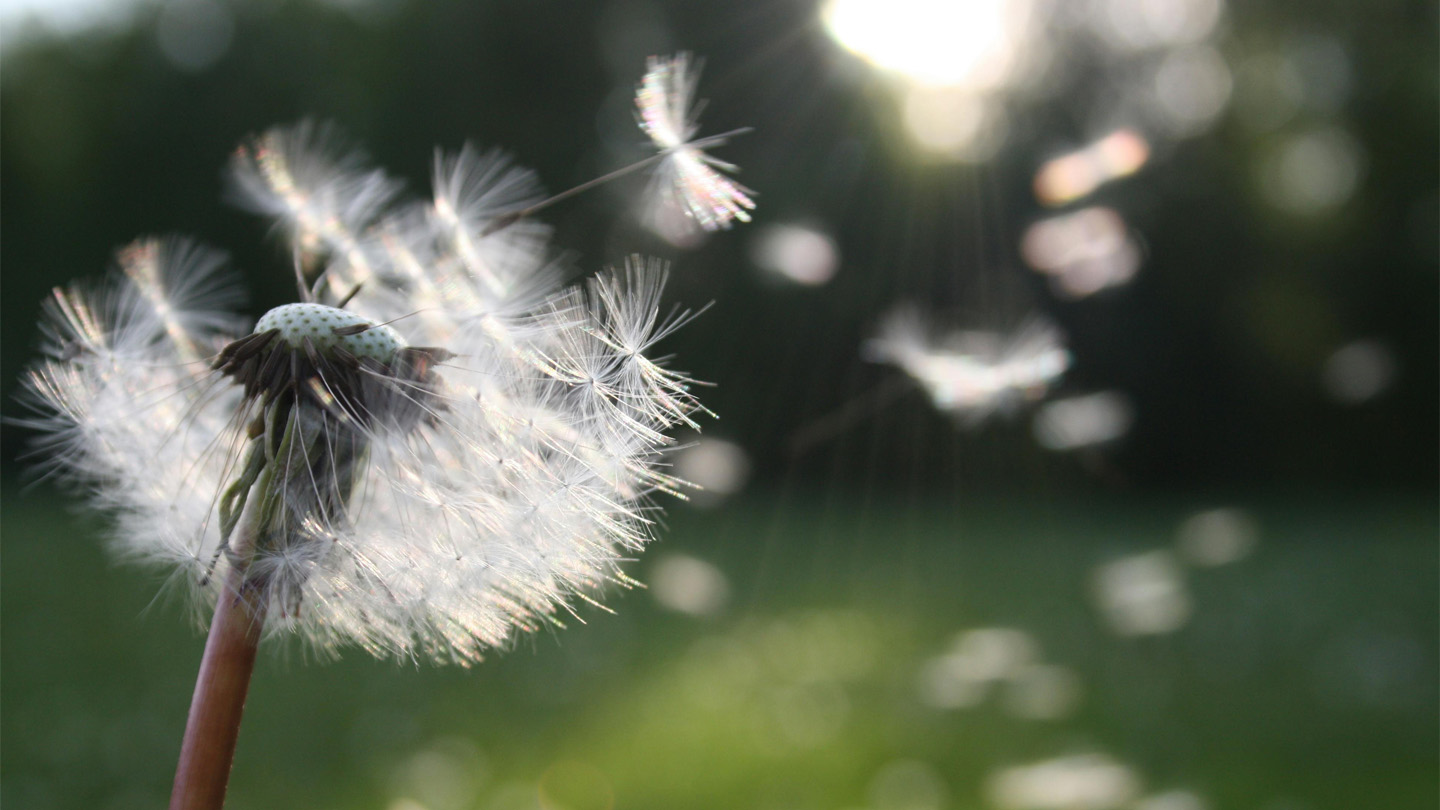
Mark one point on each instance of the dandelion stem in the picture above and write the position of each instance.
(208, 748)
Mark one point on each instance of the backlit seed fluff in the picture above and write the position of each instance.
(972, 374)
(688, 177)
(444, 448)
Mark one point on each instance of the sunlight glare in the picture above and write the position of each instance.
(954, 123)
(935, 42)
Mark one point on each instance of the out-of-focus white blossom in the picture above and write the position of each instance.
(977, 659)
(442, 448)
(1143, 594)
(1077, 782)
(687, 177)
(1171, 800)
(1217, 537)
(972, 374)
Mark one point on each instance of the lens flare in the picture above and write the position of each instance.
(936, 42)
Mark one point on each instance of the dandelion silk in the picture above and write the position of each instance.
(439, 446)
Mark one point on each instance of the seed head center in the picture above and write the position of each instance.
(328, 327)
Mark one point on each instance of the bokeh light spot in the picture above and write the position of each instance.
(796, 253)
(908, 785)
(1192, 87)
(718, 467)
(1078, 782)
(688, 584)
(1143, 594)
(575, 785)
(1217, 537)
(194, 34)
(1171, 800)
(1083, 421)
(1074, 175)
(1144, 24)
(1083, 252)
(1360, 371)
(1313, 172)
(1042, 692)
(446, 775)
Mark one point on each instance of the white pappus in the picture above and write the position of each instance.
(972, 374)
(687, 177)
(438, 447)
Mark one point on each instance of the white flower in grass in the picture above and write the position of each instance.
(456, 450)
(687, 176)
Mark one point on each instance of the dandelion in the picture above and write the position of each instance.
(972, 374)
(436, 448)
(685, 180)
(687, 176)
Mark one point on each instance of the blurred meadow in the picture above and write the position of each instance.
(1077, 384)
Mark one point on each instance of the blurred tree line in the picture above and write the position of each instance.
(1219, 342)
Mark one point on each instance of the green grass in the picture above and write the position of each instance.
(1305, 679)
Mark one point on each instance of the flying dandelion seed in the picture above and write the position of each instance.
(972, 374)
(687, 178)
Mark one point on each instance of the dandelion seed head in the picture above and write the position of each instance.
(445, 448)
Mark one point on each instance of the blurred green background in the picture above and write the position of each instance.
(1233, 605)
